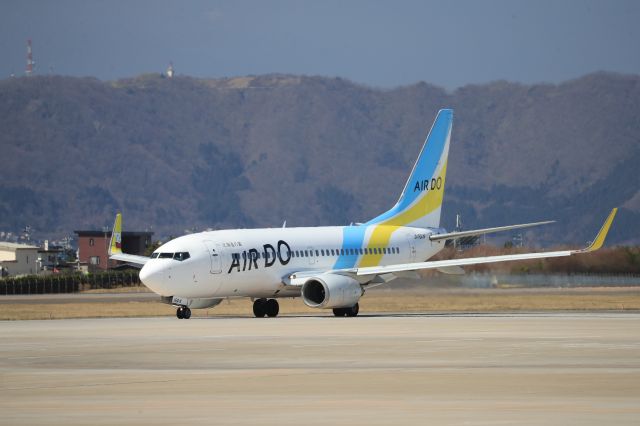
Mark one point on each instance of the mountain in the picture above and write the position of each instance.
(185, 153)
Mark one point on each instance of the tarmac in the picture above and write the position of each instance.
(377, 370)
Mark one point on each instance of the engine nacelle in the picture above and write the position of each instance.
(331, 291)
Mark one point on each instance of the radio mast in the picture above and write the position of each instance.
(30, 63)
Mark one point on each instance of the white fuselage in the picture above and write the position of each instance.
(232, 263)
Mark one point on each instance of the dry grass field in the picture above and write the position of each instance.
(375, 301)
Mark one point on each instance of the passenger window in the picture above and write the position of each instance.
(317, 253)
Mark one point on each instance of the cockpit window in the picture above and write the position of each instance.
(166, 255)
(183, 255)
(154, 255)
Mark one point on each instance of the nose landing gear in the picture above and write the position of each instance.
(183, 312)
(268, 307)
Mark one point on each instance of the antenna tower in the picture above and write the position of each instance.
(30, 63)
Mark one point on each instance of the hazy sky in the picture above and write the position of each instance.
(379, 43)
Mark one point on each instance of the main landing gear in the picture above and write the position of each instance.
(347, 312)
(183, 312)
(268, 307)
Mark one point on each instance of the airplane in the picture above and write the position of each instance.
(329, 267)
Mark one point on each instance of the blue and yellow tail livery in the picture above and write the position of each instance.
(421, 200)
(419, 204)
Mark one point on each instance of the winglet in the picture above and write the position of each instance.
(599, 240)
(115, 247)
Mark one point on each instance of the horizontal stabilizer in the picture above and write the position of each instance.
(452, 235)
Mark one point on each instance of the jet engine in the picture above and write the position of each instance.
(331, 291)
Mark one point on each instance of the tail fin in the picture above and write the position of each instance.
(115, 247)
(421, 200)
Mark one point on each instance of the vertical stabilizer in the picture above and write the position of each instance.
(421, 200)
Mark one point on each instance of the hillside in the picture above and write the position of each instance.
(183, 153)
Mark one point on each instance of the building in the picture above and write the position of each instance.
(18, 259)
(51, 258)
(93, 247)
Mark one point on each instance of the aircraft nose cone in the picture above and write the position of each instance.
(154, 277)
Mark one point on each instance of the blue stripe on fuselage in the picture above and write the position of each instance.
(352, 238)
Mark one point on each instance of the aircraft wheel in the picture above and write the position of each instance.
(339, 312)
(186, 313)
(180, 313)
(352, 311)
(259, 308)
(272, 307)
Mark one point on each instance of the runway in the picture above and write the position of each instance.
(387, 369)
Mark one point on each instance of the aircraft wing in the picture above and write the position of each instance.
(132, 259)
(595, 245)
(115, 247)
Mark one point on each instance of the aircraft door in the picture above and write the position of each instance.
(215, 254)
